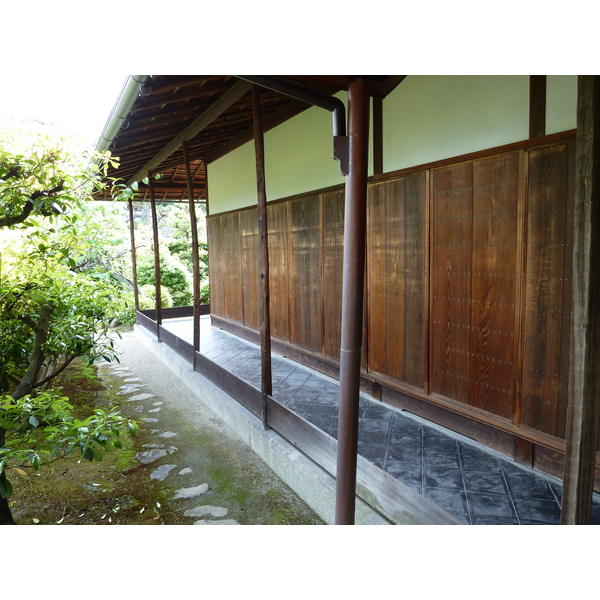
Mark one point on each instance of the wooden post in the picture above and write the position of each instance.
(195, 253)
(136, 295)
(537, 106)
(355, 217)
(583, 411)
(156, 257)
(263, 258)
(377, 135)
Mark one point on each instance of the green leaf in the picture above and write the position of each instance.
(5, 487)
(97, 454)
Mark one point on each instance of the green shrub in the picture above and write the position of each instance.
(205, 292)
(147, 297)
(173, 275)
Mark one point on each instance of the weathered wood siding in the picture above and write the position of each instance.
(468, 282)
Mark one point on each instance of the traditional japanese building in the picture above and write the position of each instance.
(463, 196)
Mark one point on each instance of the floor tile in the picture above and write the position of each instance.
(450, 500)
(490, 505)
(440, 457)
(443, 477)
(484, 481)
(527, 485)
(533, 509)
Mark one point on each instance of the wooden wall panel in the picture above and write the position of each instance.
(544, 341)
(305, 273)
(278, 269)
(249, 282)
(231, 267)
(215, 266)
(397, 276)
(451, 251)
(376, 278)
(333, 246)
(494, 284)
(415, 279)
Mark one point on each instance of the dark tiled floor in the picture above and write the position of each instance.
(477, 485)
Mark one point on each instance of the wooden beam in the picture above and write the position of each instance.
(583, 412)
(537, 106)
(206, 118)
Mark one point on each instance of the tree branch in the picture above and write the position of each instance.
(28, 208)
(36, 358)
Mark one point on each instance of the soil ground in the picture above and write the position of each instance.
(198, 449)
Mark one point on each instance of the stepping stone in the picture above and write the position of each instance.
(162, 472)
(140, 397)
(157, 403)
(154, 410)
(149, 419)
(131, 379)
(206, 511)
(168, 434)
(185, 471)
(149, 456)
(192, 492)
(129, 388)
(222, 522)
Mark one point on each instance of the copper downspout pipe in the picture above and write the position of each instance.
(355, 213)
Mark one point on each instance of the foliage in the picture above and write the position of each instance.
(58, 295)
(147, 298)
(205, 292)
(41, 428)
(173, 275)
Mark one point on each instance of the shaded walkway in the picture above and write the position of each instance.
(477, 485)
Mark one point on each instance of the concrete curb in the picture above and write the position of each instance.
(312, 483)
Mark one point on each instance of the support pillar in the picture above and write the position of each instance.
(156, 257)
(136, 295)
(355, 213)
(195, 253)
(583, 411)
(263, 258)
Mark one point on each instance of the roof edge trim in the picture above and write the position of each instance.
(123, 105)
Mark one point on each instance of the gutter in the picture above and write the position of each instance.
(129, 94)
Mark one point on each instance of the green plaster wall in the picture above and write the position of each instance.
(561, 103)
(426, 118)
(430, 117)
(298, 157)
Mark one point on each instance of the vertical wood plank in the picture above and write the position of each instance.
(278, 269)
(452, 208)
(333, 243)
(215, 255)
(306, 307)
(376, 278)
(416, 274)
(249, 283)
(495, 212)
(231, 268)
(543, 320)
